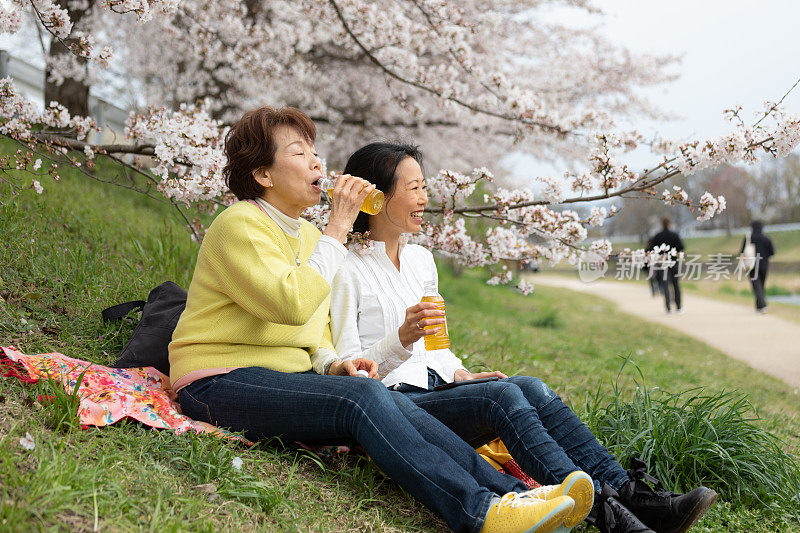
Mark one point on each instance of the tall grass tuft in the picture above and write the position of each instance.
(693, 438)
(545, 318)
(61, 401)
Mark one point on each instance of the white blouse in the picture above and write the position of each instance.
(369, 299)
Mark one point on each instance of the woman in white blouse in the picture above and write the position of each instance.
(376, 313)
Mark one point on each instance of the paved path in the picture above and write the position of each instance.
(765, 342)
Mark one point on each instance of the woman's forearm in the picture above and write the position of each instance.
(327, 257)
(337, 231)
(388, 352)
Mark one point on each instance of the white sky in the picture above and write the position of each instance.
(733, 52)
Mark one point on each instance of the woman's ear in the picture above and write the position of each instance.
(261, 175)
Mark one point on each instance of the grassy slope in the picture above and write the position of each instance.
(80, 247)
(69, 253)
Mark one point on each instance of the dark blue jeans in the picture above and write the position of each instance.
(758, 278)
(543, 435)
(667, 278)
(406, 443)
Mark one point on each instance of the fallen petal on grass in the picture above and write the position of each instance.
(27, 441)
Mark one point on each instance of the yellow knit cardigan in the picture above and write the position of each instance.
(249, 302)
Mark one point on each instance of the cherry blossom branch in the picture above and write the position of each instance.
(196, 234)
(640, 185)
(75, 144)
(538, 232)
(233, 47)
(777, 104)
(457, 58)
(59, 25)
(362, 122)
(105, 149)
(391, 73)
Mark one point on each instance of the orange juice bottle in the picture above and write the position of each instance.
(372, 204)
(442, 339)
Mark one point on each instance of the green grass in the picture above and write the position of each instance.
(775, 290)
(693, 437)
(61, 401)
(81, 246)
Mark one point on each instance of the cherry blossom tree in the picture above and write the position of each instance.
(468, 79)
(449, 74)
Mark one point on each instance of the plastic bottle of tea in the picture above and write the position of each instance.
(442, 339)
(372, 204)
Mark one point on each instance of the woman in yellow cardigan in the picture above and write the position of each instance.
(253, 352)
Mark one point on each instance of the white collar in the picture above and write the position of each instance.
(291, 226)
(370, 247)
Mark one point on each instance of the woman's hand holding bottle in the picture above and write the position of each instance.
(417, 317)
(347, 196)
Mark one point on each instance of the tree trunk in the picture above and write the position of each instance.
(72, 94)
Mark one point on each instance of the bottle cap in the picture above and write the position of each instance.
(429, 288)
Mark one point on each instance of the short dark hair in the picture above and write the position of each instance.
(250, 144)
(665, 222)
(377, 163)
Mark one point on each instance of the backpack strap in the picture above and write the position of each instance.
(117, 312)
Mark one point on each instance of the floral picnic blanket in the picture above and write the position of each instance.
(144, 394)
(109, 394)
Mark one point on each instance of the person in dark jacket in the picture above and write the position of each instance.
(668, 276)
(758, 275)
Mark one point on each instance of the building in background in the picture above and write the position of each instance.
(29, 78)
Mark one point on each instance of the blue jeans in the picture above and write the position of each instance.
(667, 278)
(407, 444)
(543, 435)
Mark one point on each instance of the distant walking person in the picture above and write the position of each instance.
(758, 273)
(667, 276)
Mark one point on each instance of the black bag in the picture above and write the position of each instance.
(149, 342)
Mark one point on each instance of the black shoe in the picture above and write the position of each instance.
(663, 511)
(610, 516)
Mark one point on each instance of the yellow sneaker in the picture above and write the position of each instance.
(577, 486)
(515, 513)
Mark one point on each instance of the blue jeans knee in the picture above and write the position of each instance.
(536, 392)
